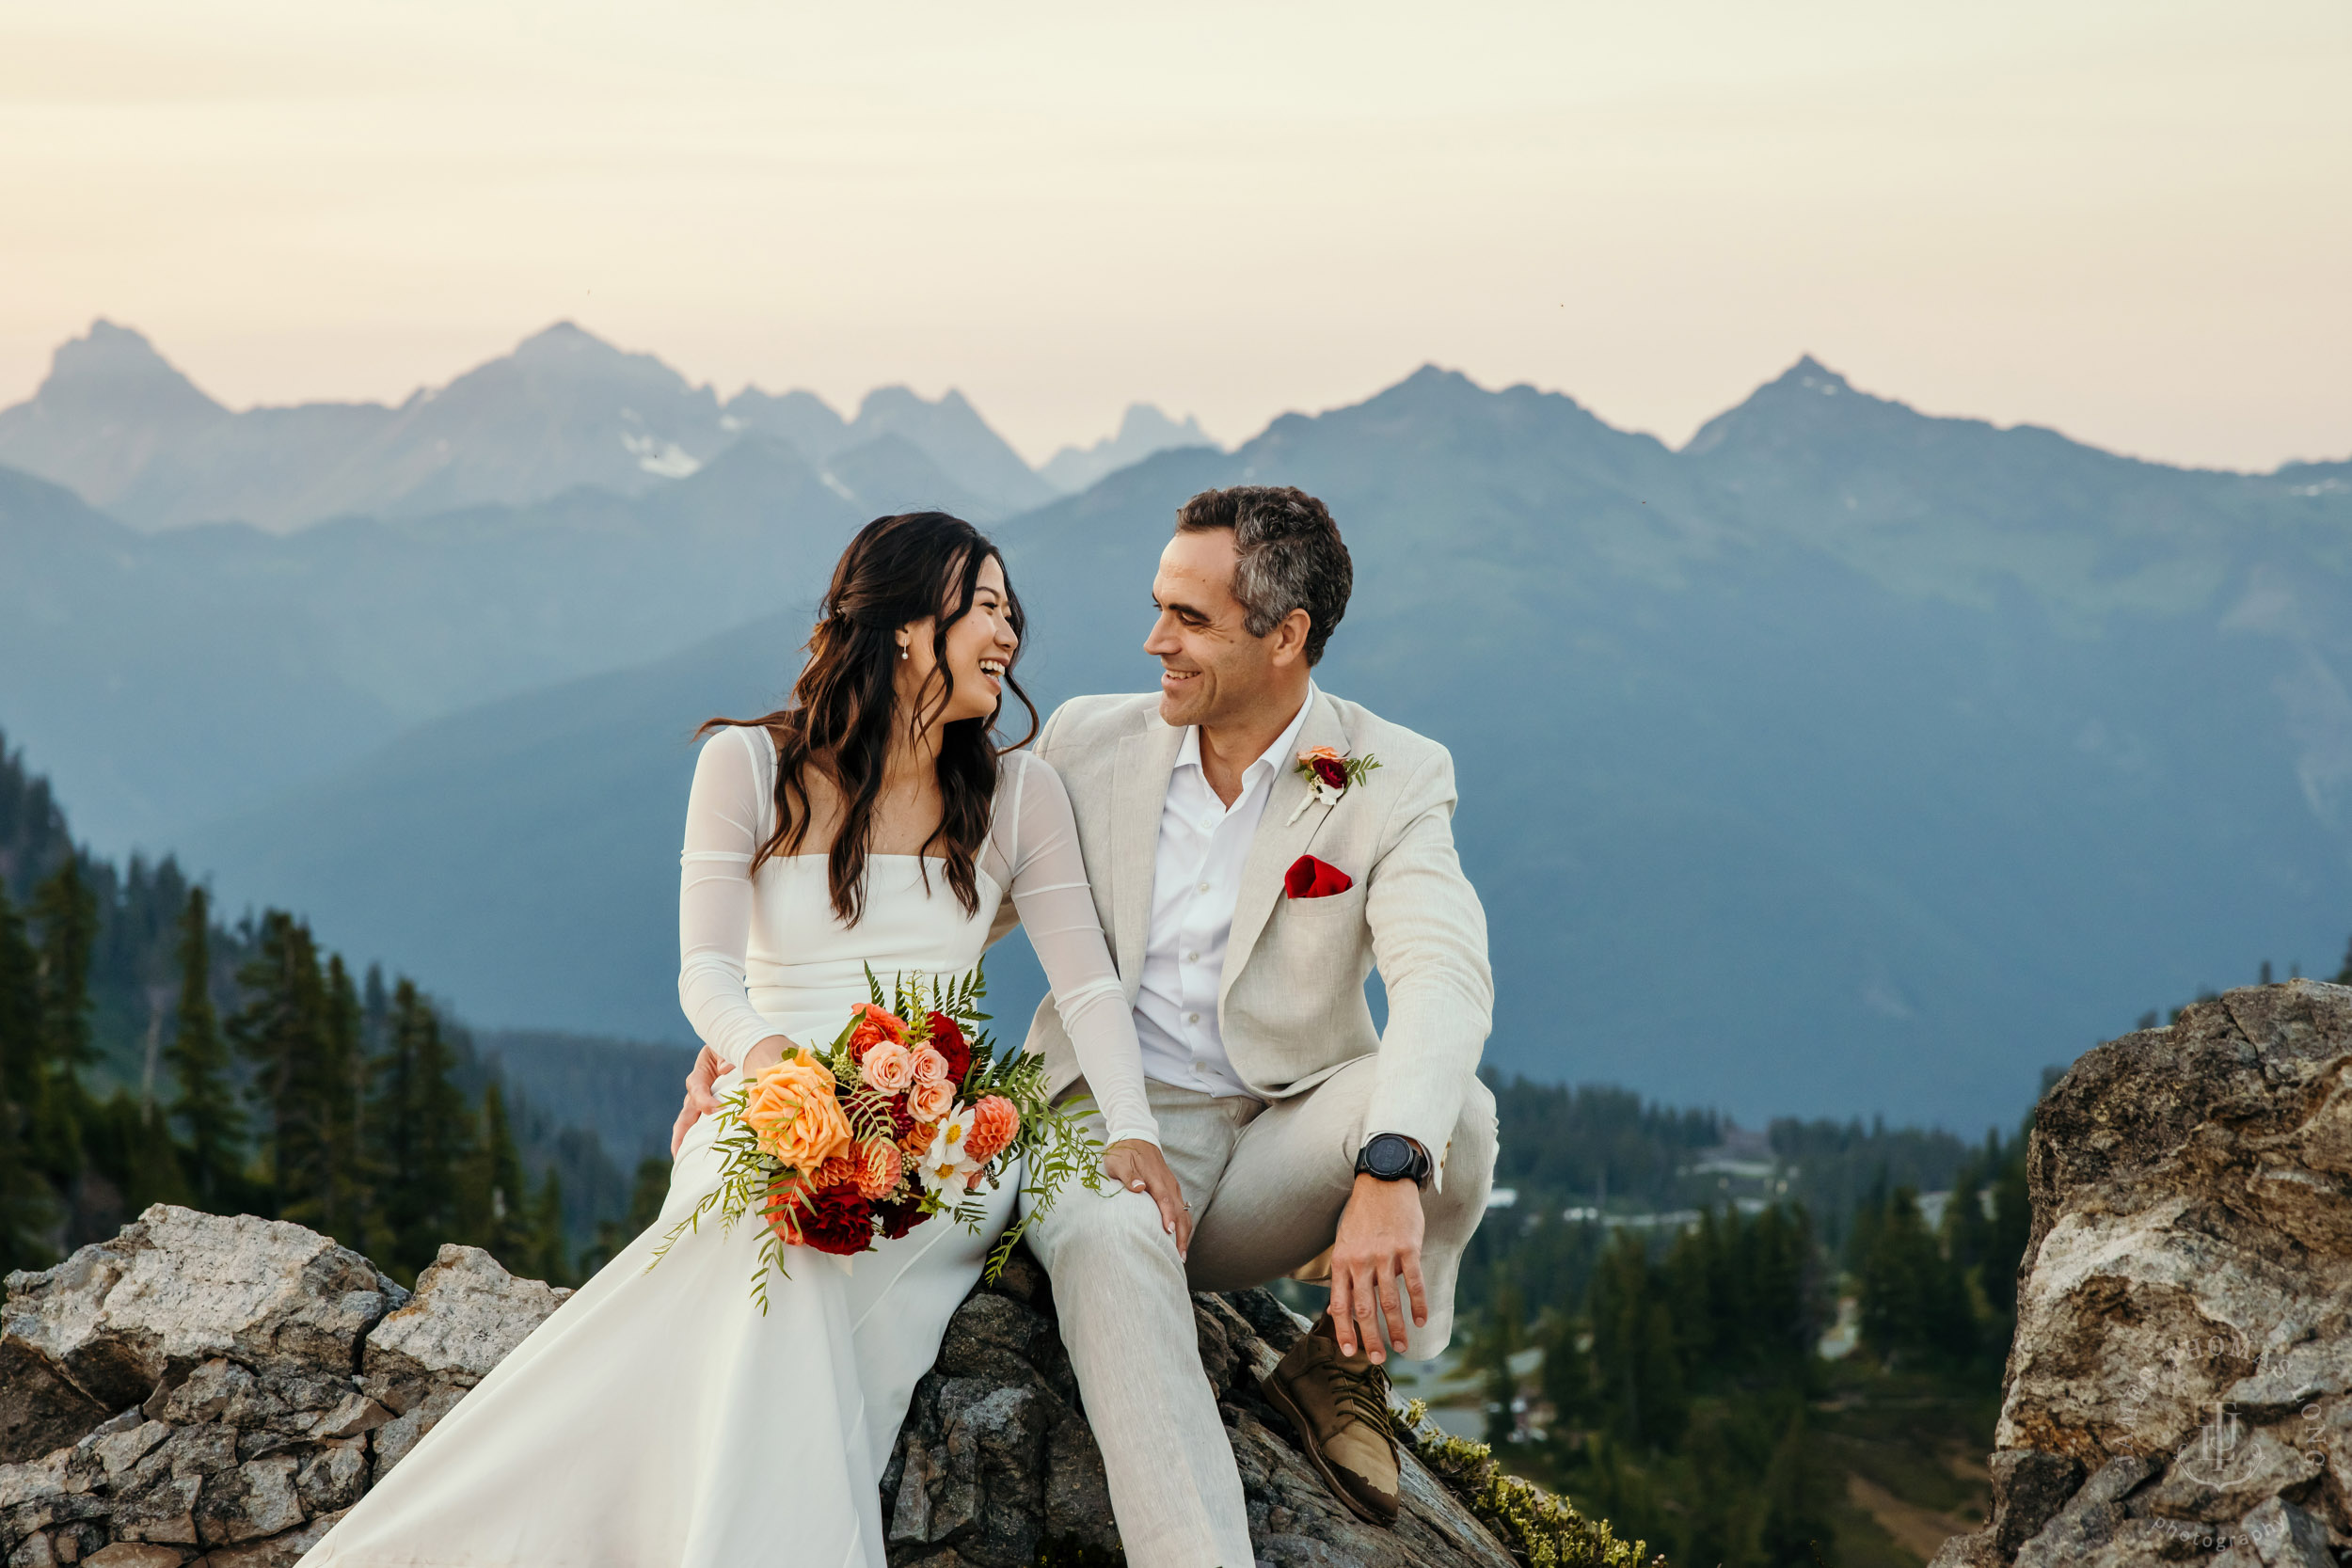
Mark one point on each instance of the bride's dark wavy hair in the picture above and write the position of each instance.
(897, 569)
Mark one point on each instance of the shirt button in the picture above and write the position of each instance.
(1205, 887)
(1192, 1018)
(1192, 957)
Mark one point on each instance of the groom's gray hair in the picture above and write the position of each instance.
(1291, 556)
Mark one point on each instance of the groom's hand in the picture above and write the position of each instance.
(1378, 1251)
(1140, 1167)
(700, 1102)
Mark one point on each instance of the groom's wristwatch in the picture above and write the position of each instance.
(1393, 1156)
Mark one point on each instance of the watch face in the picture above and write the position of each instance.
(1388, 1156)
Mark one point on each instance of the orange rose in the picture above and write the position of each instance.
(793, 1113)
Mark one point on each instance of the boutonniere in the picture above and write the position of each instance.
(1331, 774)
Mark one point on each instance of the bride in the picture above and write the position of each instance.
(658, 1417)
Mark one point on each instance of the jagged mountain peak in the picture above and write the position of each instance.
(1143, 429)
(1808, 397)
(1810, 375)
(121, 363)
(569, 343)
(884, 402)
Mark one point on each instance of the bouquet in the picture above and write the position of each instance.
(904, 1118)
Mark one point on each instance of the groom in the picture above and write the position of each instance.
(1245, 899)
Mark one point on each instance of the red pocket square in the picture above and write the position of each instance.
(1310, 877)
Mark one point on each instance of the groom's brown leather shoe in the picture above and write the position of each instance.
(1339, 1404)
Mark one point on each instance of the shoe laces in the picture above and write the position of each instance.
(1363, 1390)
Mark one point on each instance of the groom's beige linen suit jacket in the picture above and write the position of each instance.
(1291, 999)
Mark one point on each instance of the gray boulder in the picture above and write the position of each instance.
(218, 1390)
(2181, 1380)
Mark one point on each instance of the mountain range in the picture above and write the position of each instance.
(1846, 760)
(121, 426)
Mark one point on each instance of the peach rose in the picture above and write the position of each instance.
(929, 1066)
(791, 1112)
(931, 1101)
(995, 1125)
(891, 1067)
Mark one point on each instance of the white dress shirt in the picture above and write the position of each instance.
(1196, 877)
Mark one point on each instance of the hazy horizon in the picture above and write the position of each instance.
(2111, 220)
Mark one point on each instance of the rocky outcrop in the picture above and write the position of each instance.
(218, 1390)
(2181, 1381)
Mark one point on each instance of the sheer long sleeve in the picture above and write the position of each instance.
(714, 897)
(1057, 908)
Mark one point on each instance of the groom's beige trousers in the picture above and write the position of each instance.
(1267, 1183)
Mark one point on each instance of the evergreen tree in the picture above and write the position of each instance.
(26, 1203)
(1797, 1531)
(419, 1136)
(127, 1146)
(1914, 1306)
(1500, 1336)
(343, 1090)
(498, 1211)
(66, 911)
(287, 1029)
(552, 1255)
(206, 1109)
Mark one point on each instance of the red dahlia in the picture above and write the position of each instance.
(947, 1040)
(899, 1218)
(837, 1220)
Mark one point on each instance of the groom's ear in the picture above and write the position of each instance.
(1287, 642)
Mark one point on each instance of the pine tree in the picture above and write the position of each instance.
(27, 1205)
(67, 913)
(286, 1029)
(551, 1254)
(1913, 1306)
(420, 1136)
(206, 1109)
(342, 1073)
(498, 1208)
(1797, 1529)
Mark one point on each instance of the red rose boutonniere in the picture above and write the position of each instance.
(1331, 774)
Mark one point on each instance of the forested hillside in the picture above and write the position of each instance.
(151, 1053)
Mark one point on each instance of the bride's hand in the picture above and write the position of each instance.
(700, 1101)
(1140, 1167)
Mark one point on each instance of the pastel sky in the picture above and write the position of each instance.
(2131, 219)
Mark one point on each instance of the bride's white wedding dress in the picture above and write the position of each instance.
(657, 1419)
